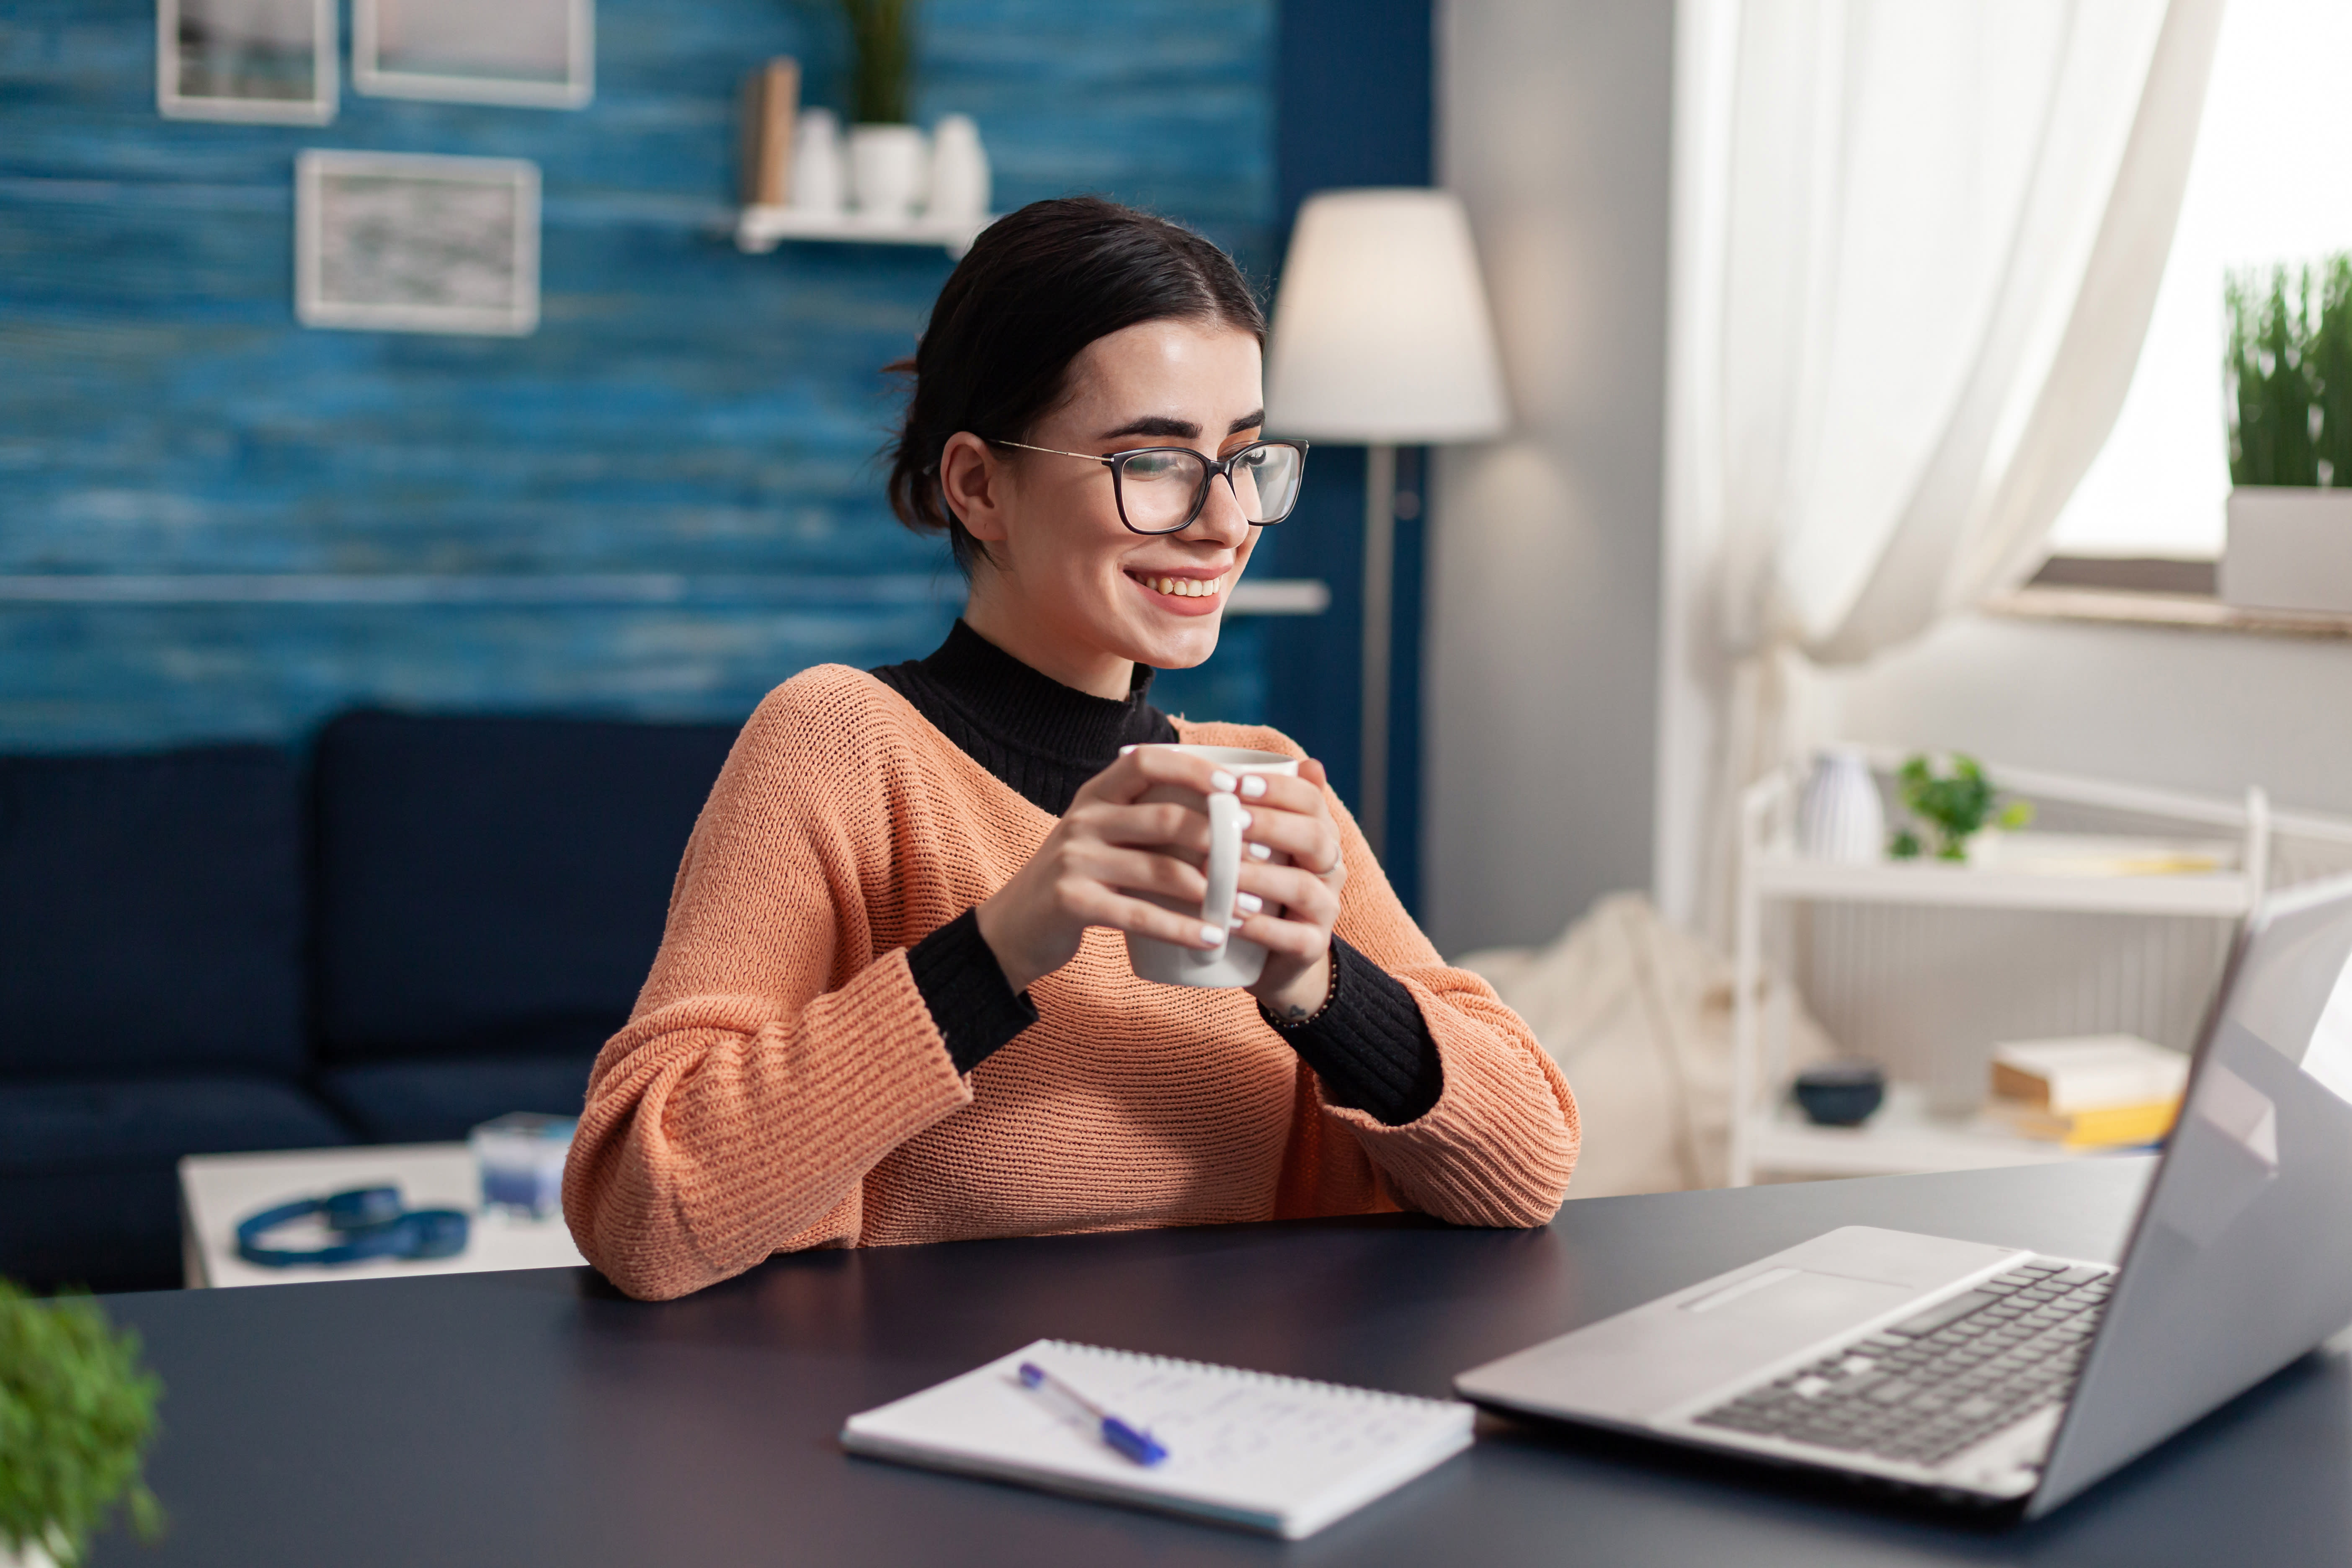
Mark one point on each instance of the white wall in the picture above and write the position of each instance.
(1554, 123)
(2210, 712)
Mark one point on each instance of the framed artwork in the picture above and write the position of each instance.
(534, 53)
(405, 243)
(269, 61)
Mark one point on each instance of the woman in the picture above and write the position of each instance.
(893, 1003)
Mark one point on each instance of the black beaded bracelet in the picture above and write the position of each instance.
(1330, 991)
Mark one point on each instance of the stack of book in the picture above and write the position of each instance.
(2095, 1091)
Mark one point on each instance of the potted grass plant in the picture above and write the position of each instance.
(887, 154)
(77, 1412)
(2288, 377)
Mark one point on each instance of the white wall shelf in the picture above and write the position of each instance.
(1251, 596)
(759, 229)
(1783, 874)
(1768, 1136)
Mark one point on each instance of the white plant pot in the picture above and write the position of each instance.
(2290, 548)
(887, 168)
(960, 174)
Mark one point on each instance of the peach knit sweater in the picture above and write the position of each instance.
(782, 1085)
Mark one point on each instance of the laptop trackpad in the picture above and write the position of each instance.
(1798, 1299)
(1640, 1364)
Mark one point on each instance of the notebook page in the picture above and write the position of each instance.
(1279, 1453)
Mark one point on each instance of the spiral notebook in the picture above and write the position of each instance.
(1278, 1454)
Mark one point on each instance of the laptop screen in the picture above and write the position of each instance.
(2236, 1265)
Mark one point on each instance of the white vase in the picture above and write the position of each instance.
(818, 181)
(887, 171)
(959, 174)
(1840, 818)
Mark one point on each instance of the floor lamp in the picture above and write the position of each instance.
(1381, 336)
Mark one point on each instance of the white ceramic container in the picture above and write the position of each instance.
(1839, 817)
(960, 174)
(820, 183)
(2290, 548)
(889, 167)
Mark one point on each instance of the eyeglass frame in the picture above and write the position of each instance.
(1211, 469)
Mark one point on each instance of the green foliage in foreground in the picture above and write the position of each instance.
(1954, 805)
(77, 1412)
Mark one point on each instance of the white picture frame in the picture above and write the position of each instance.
(233, 59)
(407, 242)
(531, 54)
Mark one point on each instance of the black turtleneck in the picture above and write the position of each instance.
(1369, 1044)
(1042, 738)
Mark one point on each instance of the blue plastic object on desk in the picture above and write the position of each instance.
(522, 1157)
(368, 1222)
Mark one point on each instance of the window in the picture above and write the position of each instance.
(2270, 182)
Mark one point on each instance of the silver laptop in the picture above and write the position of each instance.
(1996, 1375)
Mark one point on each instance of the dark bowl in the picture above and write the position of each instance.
(1840, 1094)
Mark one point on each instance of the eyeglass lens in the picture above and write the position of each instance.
(1162, 491)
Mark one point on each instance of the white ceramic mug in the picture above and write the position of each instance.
(1239, 961)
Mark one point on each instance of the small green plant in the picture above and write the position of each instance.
(77, 1413)
(2288, 374)
(1955, 807)
(882, 60)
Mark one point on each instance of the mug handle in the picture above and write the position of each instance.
(1224, 863)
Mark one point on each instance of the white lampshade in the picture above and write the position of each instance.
(1380, 329)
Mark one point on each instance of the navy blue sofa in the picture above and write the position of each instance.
(424, 923)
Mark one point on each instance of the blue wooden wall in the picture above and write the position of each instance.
(215, 524)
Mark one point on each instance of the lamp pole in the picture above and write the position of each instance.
(1381, 335)
(1379, 595)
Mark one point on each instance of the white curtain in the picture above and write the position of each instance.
(1918, 242)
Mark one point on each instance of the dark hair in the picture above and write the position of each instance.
(1037, 287)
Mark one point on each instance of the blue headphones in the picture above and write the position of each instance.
(371, 1221)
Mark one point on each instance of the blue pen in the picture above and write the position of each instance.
(1140, 1447)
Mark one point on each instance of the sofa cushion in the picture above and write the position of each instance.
(85, 1124)
(88, 1178)
(495, 886)
(92, 1230)
(432, 1103)
(151, 912)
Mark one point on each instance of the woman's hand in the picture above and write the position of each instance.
(1296, 904)
(1110, 846)
(1107, 846)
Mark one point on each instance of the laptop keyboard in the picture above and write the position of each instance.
(1926, 1388)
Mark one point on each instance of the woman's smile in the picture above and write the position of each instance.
(1182, 590)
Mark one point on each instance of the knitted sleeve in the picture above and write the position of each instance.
(1368, 1044)
(1498, 1145)
(964, 985)
(771, 1059)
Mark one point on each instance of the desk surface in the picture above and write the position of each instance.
(536, 1416)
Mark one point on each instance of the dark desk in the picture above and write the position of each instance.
(539, 1418)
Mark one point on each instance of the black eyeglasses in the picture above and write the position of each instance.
(1160, 489)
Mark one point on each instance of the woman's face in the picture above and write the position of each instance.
(1071, 590)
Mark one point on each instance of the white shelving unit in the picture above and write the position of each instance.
(1768, 1136)
(759, 229)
